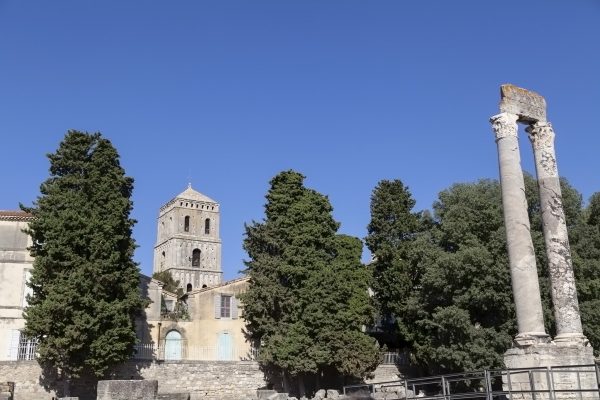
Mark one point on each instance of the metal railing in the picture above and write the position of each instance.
(577, 382)
(395, 357)
(27, 350)
(183, 351)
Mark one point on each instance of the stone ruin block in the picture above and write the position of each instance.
(127, 390)
(528, 105)
(7, 390)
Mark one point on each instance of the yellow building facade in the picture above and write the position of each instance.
(204, 323)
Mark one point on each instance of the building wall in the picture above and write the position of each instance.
(15, 268)
(203, 379)
(203, 334)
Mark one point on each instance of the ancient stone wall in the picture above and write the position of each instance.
(210, 380)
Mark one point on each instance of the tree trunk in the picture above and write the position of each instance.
(286, 382)
(318, 380)
(66, 385)
(301, 388)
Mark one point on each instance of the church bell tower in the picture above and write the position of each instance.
(188, 243)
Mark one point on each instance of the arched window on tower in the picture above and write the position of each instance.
(189, 287)
(207, 226)
(196, 258)
(186, 223)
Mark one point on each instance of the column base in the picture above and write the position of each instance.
(531, 338)
(552, 361)
(571, 338)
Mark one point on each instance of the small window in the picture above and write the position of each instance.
(189, 287)
(186, 223)
(225, 306)
(207, 226)
(196, 258)
(27, 348)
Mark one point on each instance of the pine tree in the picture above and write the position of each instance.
(307, 298)
(392, 236)
(85, 283)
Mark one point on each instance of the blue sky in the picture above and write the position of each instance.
(346, 92)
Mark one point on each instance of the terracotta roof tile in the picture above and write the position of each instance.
(15, 215)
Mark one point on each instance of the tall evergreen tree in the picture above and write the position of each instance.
(307, 298)
(85, 283)
(392, 234)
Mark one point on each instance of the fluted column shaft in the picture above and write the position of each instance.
(558, 253)
(526, 289)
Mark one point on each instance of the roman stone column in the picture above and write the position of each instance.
(558, 253)
(526, 290)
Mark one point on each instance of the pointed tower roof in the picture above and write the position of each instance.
(191, 194)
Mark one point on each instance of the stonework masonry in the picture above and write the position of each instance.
(209, 380)
(521, 255)
(558, 253)
(532, 348)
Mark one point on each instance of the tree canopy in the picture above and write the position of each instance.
(85, 283)
(170, 284)
(393, 234)
(446, 279)
(308, 296)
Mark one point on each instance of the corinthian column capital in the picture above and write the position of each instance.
(541, 135)
(504, 125)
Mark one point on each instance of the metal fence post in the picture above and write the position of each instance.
(550, 382)
(488, 385)
(531, 384)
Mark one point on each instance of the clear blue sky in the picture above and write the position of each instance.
(346, 92)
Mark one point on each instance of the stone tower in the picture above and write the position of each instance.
(188, 242)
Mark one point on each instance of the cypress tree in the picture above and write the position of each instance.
(392, 238)
(307, 299)
(85, 283)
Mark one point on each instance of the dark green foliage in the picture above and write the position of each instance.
(85, 282)
(585, 246)
(307, 299)
(170, 284)
(392, 240)
(458, 314)
(463, 313)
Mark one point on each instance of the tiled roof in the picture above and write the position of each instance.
(13, 215)
(220, 285)
(191, 194)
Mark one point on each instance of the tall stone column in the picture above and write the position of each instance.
(521, 255)
(558, 253)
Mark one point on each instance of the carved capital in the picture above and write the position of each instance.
(541, 135)
(504, 125)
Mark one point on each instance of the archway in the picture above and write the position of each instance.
(173, 345)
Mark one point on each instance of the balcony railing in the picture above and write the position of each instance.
(183, 351)
(149, 351)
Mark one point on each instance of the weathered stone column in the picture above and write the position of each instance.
(558, 253)
(521, 255)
